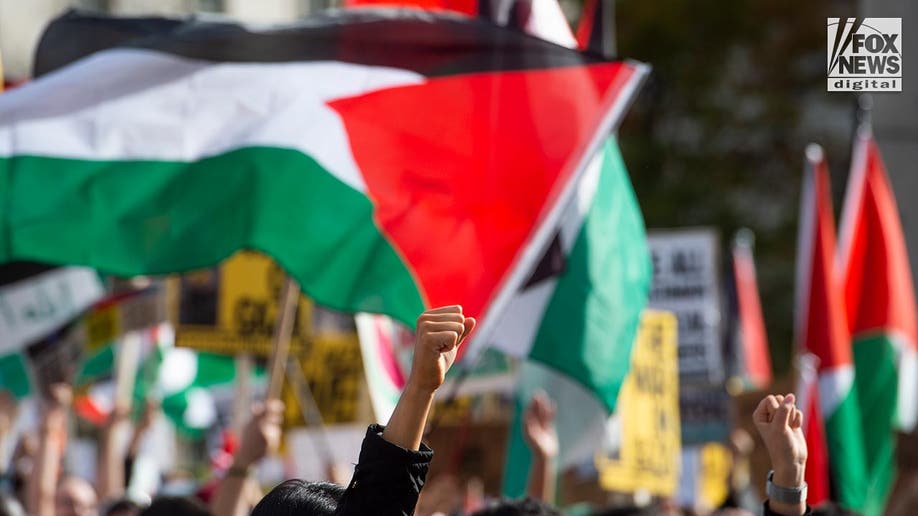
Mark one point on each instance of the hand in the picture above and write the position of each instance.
(539, 427)
(440, 332)
(780, 424)
(60, 396)
(261, 434)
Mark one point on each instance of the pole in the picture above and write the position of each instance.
(283, 328)
(242, 395)
(310, 410)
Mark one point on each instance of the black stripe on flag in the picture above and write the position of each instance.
(432, 44)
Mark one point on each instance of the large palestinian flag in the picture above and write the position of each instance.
(389, 160)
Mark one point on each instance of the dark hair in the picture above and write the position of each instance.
(524, 507)
(175, 506)
(297, 497)
(123, 504)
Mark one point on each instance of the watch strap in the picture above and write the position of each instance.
(789, 495)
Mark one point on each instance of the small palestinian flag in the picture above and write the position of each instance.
(390, 160)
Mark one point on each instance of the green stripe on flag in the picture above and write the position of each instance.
(877, 382)
(134, 217)
(846, 454)
(14, 376)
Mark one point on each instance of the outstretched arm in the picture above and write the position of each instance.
(542, 439)
(780, 424)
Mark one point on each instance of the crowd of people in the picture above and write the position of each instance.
(389, 477)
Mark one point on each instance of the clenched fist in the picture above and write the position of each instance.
(440, 332)
(780, 424)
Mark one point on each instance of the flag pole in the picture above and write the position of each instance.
(310, 410)
(280, 342)
(242, 396)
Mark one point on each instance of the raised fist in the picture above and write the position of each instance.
(440, 332)
(780, 424)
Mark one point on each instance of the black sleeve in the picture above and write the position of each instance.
(387, 480)
(768, 511)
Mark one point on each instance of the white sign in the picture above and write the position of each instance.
(686, 281)
(34, 307)
(864, 54)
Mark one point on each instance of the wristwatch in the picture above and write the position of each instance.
(789, 495)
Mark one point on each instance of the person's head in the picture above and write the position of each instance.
(175, 506)
(524, 507)
(298, 497)
(124, 507)
(76, 497)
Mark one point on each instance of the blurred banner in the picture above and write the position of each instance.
(34, 307)
(686, 281)
(648, 414)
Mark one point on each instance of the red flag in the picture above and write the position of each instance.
(817, 462)
(756, 362)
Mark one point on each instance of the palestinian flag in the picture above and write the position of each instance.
(880, 302)
(575, 321)
(822, 329)
(388, 160)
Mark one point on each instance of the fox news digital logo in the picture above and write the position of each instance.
(864, 54)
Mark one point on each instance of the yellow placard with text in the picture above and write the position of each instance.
(648, 408)
(332, 367)
(245, 291)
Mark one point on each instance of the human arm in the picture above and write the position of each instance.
(780, 424)
(542, 440)
(393, 462)
(260, 436)
(42, 482)
(110, 479)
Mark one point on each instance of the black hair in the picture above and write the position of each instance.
(123, 504)
(524, 507)
(175, 506)
(297, 497)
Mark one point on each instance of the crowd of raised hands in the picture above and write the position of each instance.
(392, 469)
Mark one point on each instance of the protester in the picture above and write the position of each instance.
(542, 439)
(393, 462)
(780, 424)
(238, 491)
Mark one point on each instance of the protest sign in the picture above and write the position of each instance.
(649, 414)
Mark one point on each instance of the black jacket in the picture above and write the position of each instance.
(387, 480)
(768, 511)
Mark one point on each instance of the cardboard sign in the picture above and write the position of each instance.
(232, 308)
(649, 414)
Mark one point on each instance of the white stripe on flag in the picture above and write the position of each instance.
(156, 106)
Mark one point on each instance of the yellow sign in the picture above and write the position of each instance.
(714, 470)
(333, 368)
(244, 294)
(649, 408)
